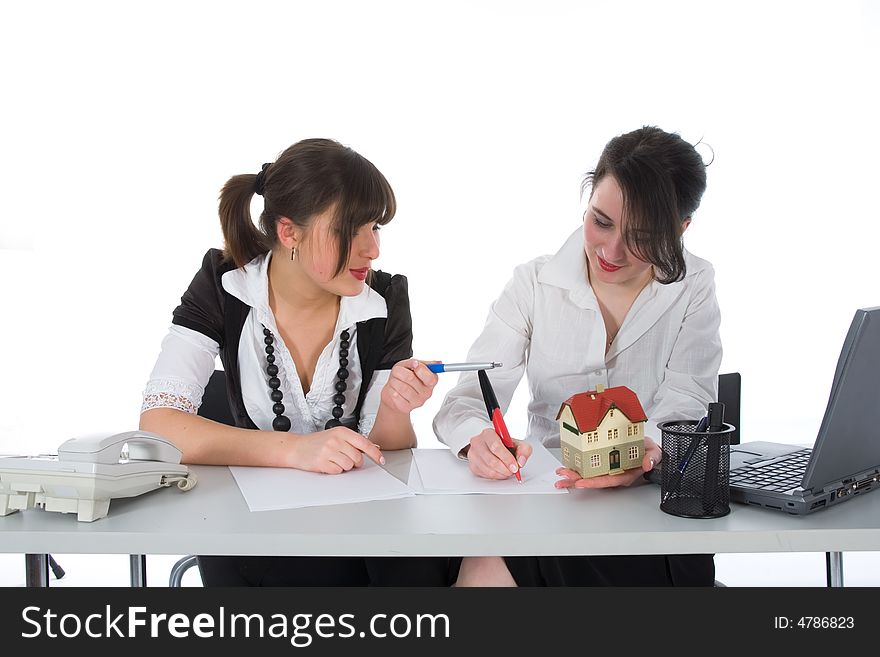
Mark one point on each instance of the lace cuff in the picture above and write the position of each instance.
(172, 393)
(365, 426)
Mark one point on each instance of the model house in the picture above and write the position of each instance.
(602, 431)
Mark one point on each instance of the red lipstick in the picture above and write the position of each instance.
(606, 266)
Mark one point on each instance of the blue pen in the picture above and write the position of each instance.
(701, 427)
(675, 479)
(437, 368)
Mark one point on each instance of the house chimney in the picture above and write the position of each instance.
(600, 388)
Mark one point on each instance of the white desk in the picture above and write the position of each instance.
(213, 518)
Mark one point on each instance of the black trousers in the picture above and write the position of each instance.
(328, 571)
(652, 570)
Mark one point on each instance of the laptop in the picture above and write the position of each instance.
(845, 459)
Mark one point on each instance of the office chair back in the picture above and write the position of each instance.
(729, 389)
(215, 403)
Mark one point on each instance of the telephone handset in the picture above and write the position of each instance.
(98, 448)
(89, 471)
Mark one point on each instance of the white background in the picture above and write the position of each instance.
(121, 121)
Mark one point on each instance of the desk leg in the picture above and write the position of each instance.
(36, 568)
(138, 564)
(834, 569)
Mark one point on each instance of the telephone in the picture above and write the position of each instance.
(89, 471)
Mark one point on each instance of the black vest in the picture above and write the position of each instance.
(209, 309)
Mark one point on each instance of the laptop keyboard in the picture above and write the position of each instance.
(781, 475)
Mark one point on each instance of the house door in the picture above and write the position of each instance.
(614, 460)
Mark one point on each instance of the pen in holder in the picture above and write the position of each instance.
(695, 479)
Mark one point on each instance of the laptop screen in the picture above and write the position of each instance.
(849, 437)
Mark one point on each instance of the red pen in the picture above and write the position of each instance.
(494, 412)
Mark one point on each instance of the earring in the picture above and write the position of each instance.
(293, 254)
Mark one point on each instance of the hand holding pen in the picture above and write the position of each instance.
(490, 459)
(494, 412)
(461, 367)
(409, 386)
(412, 382)
(493, 454)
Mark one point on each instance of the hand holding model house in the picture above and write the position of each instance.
(603, 441)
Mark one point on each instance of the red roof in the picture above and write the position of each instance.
(589, 408)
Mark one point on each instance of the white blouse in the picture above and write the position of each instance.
(188, 358)
(547, 324)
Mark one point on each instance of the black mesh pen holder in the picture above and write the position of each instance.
(695, 480)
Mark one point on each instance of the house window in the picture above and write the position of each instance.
(629, 430)
(577, 460)
(634, 453)
(635, 429)
(595, 461)
(566, 453)
(612, 434)
(571, 428)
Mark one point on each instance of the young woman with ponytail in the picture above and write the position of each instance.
(316, 346)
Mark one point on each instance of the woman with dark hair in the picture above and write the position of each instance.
(621, 303)
(316, 346)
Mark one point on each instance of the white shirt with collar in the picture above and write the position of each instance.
(547, 324)
(188, 358)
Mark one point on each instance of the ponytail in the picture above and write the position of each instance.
(243, 240)
(308, 178)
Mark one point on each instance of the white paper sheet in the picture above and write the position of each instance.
(268, 489)
(439, 472)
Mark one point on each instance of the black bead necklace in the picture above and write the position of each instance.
(281, 422)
